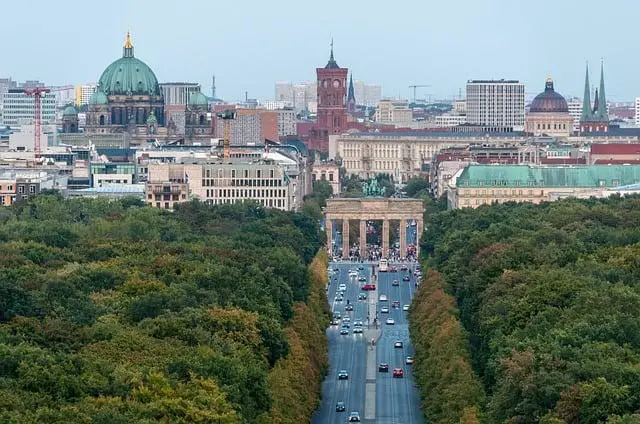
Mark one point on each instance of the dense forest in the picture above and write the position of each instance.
(113, 312)
(549, 301)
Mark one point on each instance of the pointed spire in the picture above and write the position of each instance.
(352, 94)
(586, 100)
(332, 64)
(596, 106)
(127, 50)
(602, 99)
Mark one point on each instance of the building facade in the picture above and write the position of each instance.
(496, 103)
(19, 109)
(446, 120)
(286, 122)
(83, 93)
(549, 114)
(394, 112)
(327, 171)
(478, 185)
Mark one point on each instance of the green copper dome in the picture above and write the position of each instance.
(69, 111)
(98, 98)
(198, 99)
(128, 75)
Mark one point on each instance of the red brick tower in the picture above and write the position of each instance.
(332, 104)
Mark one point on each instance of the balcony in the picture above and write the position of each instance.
(166, 190)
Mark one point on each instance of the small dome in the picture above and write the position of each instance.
(98, 98)
(69, 111)
(549, 101)
(198, 99)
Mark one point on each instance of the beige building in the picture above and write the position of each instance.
(478, 185)
(403, 155)
(394, 112)
(549, 114)
(327, 171)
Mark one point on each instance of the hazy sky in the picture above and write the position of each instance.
(251, 44)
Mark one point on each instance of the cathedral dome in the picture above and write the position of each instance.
(69, 111)
(198, 100)
(549, 101)
(129, 75)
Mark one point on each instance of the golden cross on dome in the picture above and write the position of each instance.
(127, 42)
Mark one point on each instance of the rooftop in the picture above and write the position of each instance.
(528, 176)
(615, 149)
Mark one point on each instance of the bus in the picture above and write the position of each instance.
(383, 265)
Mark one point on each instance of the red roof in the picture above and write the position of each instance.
(563, 161)
(617, 162)
(615, 149)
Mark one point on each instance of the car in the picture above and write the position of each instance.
(348, 308)
(406, 278)
(405, 307)
(390, 321)
(395, 304)
(398, 344)
(361, 268)
(367, 287)
(345, 324)
(383, 298)
(403, 267)
(398, 373)
(354, 417)
(357, 330)
(337, 315)
(362, 296)
(340, 407)
(335, 321)
(339, 298)
(393, 269)
(384, 310)
(336, 269)
(362, 279)
(383, 367)
(344, 331)
(343, 375)
(408, 360)
(342, 287)
(395, 283)
(358, 323)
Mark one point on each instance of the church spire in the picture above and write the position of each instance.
(352, 94)
(586, 100)
(332, 64)
(127, 50)
(602, 98)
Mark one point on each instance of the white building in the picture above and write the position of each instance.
(575, 110)
(84, 93)
(394, 112)
(367, 94)
(19, 109)
(274, 104)
(297, 96)
(446, 120)
(496, 103)
(637, 112)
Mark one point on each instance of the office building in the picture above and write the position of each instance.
(496, 103)
(19, 109)
(83, 93)
(286, 122)
(367, 94)
(251, 127)
(394, 112)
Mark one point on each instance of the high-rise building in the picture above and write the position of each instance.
(176, 96)
(251, 127)
(83, 93)
(575, 110)
(496, 103)
(286, 122)
(367, 94)
(19, 109)
(394, 112)
(596, 118)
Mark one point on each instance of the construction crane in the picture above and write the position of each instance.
(414, 87)
(226, 117)
(36, 93)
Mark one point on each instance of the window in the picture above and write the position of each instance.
(331, 177)
(32, 189)
(20, 189)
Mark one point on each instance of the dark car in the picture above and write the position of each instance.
(340, 407)
(383, 367)
(360, 268)
(406, 278)
(403, 267)
(344, 331)
(395, 283)
(362, 296)
(348, 308)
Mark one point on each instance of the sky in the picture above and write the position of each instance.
(251, 44)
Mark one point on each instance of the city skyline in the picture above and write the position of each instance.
(181, 45)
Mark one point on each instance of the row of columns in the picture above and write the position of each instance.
(363, 237)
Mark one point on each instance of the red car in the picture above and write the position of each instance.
(368, 287)
(398, 373)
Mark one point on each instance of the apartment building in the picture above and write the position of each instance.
(496, 103)
(393, 112)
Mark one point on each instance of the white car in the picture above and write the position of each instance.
(357, 330)
(383, 298)
(342, 287)
(346, 319)
(384, 310)
(405, 307)
(409, 360)
(390, 321)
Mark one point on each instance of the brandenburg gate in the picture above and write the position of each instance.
(372, 209)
